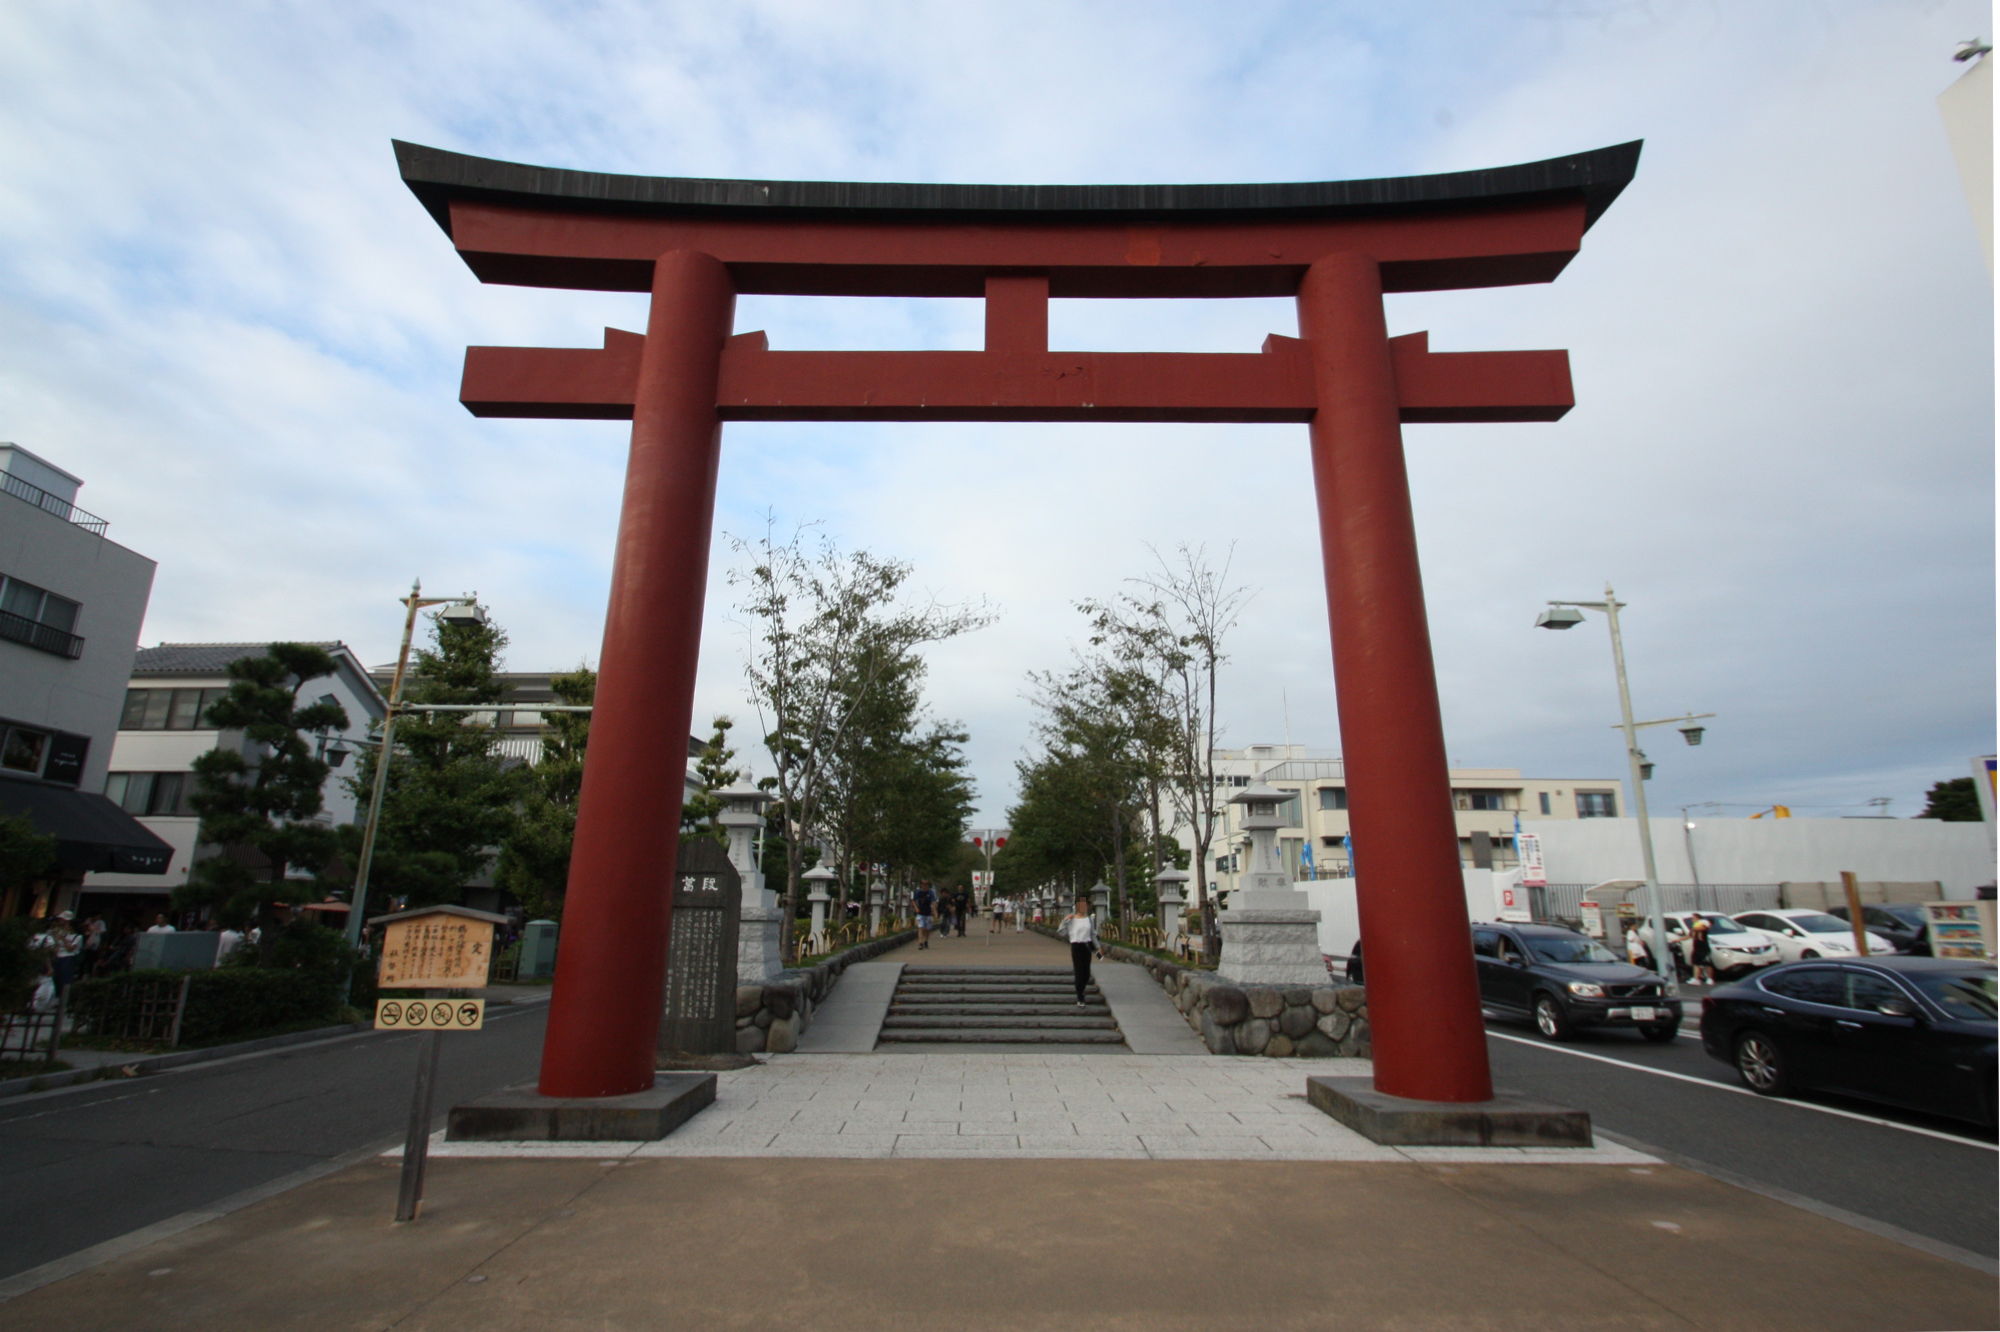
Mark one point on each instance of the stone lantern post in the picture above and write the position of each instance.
(877, 892)
(760, 919)
(1171, 885)
(819, 877)
(1270, 933)
(1100, 903)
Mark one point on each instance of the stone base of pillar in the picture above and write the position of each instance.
(759, 944)
(1270, 948)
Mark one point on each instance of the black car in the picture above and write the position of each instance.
(1911, 1031)
(1563, 981)
(1901, 923)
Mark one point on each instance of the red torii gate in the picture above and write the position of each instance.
(1337, 246)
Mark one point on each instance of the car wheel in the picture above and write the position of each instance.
(1809, 955)
(1550, 1019)
(1659, 1035)
(1761, 1065)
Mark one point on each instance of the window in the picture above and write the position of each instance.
(154, 793)
(1487, 800)
(168, 709)
(1813, 985)
(1545, 804)
(1485, 943)
(1867, 992)
(1597, 804)
(1333, 797)
(38, 618)
(23, 749)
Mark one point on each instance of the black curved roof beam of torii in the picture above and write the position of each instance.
(1015, 246)
(544, 226)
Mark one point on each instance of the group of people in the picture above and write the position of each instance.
(71, 950)
(940, 912)
(1004, 909)
(1688, 947)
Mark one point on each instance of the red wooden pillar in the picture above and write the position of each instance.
(605, 1012)
(1423, 993)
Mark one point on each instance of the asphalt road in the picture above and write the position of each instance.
(81, 1167)
(1930, 1177)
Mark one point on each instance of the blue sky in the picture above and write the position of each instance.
(220, 307)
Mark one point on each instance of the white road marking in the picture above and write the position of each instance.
(1745, 1091)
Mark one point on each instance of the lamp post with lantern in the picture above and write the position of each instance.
(987, 841)
(1567, 615)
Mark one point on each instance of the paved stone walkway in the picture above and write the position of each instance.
(1025, 1106)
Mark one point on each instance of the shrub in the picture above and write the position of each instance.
(226, 1003)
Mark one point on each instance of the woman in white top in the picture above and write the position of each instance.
(1081, 930)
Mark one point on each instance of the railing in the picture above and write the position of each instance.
(47, 638)
(55, 504)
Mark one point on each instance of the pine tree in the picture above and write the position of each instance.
(257, 803)
(702, 811)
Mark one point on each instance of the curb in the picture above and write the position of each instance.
(160, 1063)
(38, 1082)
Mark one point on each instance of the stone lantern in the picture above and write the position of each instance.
(1171, 884)
(877, 892)
(819, 877)
(1270, 933)
(1100, 902)
(761, 921)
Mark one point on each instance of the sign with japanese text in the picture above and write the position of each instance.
(1533, 875)
(435, 952)
(430, 1014)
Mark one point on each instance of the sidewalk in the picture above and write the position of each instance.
(600, 1242)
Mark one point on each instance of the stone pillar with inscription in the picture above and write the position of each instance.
(698, 1005)
(760, 918)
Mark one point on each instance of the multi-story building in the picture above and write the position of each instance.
(1315, 843)
(71, 605)
(163, 728)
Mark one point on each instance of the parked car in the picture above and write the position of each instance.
(1911, 1031)
(1803, 935)
(1733, 950)
(1903, 924)
(1564, 981)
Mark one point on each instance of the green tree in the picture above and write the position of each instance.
(257, 803)
(1170, 628)
(702, 811)
(824, 626)
(450, 801)
(534, 857)
(1955, 800)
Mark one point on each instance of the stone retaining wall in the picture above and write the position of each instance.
(771, 1017)
(1277, 1021)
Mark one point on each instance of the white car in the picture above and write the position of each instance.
(1802, 933)
(1733, 949)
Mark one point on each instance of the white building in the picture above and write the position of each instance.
(162, 730)
(1313, 844)
(71, 605)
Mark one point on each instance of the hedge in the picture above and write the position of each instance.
(222, 1004)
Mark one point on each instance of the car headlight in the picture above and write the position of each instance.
(1586, 989)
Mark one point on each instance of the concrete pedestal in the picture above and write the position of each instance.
(758, 943)
(1270, 937)
(522, 1115)
(1504, 1121)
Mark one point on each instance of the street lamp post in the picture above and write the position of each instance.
(988, 840)
(1567, 615)
(464, 609)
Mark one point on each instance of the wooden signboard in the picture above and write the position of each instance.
(439, 949)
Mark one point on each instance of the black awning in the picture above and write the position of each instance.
(91, 832)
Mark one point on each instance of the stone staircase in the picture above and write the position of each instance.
(975, 1006)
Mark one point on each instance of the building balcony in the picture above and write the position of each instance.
(48, 503)
(34, 634)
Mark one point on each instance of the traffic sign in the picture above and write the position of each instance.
(430, 1014)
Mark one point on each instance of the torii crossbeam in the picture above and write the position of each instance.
(1337, 246)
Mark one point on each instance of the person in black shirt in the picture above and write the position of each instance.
(961, 905)
(926, 905)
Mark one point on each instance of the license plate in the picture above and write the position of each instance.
(1643, 1015)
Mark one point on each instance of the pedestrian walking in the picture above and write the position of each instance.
(63, 945)
(93, 946)
(1635, 950)
(926, 905)
(1080, 930)
(961, 903)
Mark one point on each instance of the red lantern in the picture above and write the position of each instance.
(977, 842)
(999, 842)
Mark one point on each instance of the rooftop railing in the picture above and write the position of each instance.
(55, 504)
